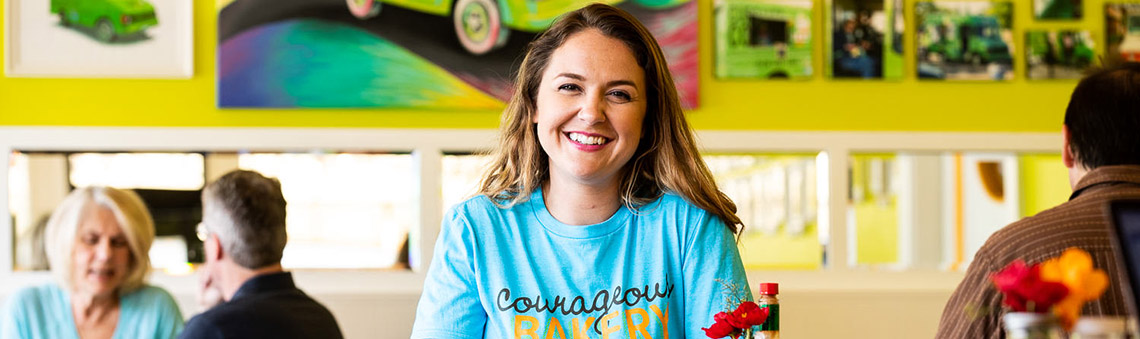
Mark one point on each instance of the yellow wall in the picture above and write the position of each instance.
(816, 104)
(1044, 182)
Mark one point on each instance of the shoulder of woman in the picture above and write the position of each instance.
(149, 296)
(481, 207)
(674, 203)
(34, 295)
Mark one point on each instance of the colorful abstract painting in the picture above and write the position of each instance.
(449, 54)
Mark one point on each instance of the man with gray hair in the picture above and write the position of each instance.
(243, 231)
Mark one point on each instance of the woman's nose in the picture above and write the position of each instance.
(592, 110)
(103, 249)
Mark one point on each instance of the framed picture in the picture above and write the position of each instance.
(1053, 54)
(99, 38)
(1122, 30)
(446, 54)
(766, 39)
(1057, 9)
(866, 39)
(964, 40)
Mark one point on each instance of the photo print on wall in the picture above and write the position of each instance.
(766, 39)
(866, 39)
(1122, 30)
(963, 40)
(1057, 9)
(99, 38)
(1058, 54)
(448, 54)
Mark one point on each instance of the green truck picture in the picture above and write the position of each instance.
(483, 26)
(110, 19)
(1064, 48)
(972, 39)
(763, 39)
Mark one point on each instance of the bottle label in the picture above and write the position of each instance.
(773, 321)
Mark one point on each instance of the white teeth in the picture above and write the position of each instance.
(586, 140)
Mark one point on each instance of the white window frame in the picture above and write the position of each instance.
(428, 146)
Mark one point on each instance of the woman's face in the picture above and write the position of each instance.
(591, 104)
(101, 255)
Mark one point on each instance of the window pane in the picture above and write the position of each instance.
(461, 176)
(776, 198)
(935, 209)
(167, 182)
(873, 208)
(344, 210)
(170, 171)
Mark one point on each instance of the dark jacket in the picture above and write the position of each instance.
(266, 306)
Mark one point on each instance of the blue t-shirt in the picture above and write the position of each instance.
(661, 271)
(44, 312)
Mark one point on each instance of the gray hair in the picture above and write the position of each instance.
(247, 213)
(131, 214)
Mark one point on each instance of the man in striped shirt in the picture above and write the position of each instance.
(1102, 152)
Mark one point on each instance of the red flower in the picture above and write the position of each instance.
(1013, 274)
(721, 328)
(1023, 289)
(748, 314)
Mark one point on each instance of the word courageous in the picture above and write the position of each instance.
(603, 300)
(636, 322)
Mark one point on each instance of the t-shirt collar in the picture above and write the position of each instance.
(615, 222)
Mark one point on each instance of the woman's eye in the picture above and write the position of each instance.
(622, 96)
(118, 242)
(90, 239)
(569, 87)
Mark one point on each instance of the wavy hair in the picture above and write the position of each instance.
(666, 159)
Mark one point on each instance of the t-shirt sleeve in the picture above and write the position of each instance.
(713, 270)
(168, 323)
(449, 306)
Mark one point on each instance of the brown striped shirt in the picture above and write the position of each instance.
(975, 309)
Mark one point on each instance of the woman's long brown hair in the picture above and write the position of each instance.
(666, 158)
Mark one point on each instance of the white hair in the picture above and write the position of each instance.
(131, 214)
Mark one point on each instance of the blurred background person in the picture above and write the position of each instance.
(243, 230)
(97, 243)
(851, 59)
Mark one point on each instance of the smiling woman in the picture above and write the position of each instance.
(97, 241)
(597, 173)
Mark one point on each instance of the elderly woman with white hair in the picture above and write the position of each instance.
(97, 242)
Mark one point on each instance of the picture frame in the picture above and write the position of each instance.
(964, 40)
(763, 39)
(100, 39)
(439, 55)
(864, 39)
(1058, 54)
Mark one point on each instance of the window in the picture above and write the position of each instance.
(344, 210)
(933, 210)
(461, 176)
(776, 198)
(169, 171)
(169, 183)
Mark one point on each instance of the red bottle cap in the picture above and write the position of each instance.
(770, 288)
